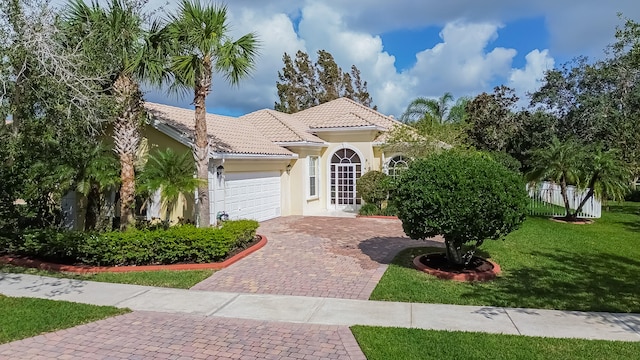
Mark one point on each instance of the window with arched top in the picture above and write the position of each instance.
(396, 165)
(346, 168)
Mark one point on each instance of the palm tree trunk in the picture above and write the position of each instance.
(565, 198)
(126, 137)
(201, 150)
(592, 184)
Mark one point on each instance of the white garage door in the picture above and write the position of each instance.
(254, 195)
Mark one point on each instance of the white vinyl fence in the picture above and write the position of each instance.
(546, 199)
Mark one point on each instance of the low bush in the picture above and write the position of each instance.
(369, 209)
(373, 187)
(178, 244)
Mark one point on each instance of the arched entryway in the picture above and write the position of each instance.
(345, 169)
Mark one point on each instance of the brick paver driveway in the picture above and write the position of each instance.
(142, 335)
(317, 256)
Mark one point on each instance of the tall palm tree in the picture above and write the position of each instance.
(432, 110)
(201, 45)
(114, 35)
(171, 173)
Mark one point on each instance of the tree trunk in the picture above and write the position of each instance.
(201, 146)
(592, 184)
(565, 198)
(126, 136)
(454, 252)
(93, 208)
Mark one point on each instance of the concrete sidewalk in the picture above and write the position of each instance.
(329, 311)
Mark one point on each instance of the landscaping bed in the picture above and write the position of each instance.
(175, 245)
(544, 265)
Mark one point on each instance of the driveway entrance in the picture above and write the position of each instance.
(317, 256)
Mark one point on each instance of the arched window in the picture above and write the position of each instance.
(346, 168)
(396, 165)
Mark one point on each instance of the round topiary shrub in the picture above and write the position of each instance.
(465, 197)
(373, 187)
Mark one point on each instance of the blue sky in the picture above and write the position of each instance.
(406, 49)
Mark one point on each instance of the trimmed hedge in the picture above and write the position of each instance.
(178, 244)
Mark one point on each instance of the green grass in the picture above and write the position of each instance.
(400, 344)
(25, 317)
(544, 264)
(182, 279)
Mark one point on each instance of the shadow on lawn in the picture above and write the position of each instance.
(602, 282)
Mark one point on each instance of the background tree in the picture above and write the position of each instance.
(465, 197)
(118, 27)
(199, 46)
(599, 101)
(429, 110)
(53, 101)
(303, 84)
(492, 119)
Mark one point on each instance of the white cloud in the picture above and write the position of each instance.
(464, 62)
(461, 63)
(528, 78)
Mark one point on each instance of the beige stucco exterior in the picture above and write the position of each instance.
(263, 158)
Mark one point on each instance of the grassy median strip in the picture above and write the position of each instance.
(25, 317)
(400, 344)
(544, 264)
(182, 279)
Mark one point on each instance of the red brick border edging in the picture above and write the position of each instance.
(483, 276)
(94, 269)
(378, 217)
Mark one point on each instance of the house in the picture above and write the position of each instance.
(268, 164)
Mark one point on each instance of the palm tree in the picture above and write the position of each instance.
(172, 174)
(601, 172)
(559, 163)
(199, 45)
(608, 176)
(99, 176)
(431, 110)
(118, 40)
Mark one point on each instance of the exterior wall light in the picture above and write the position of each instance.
(288, 169)
(219, 171)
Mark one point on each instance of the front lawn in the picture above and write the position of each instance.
(182, 279)
(25, 317)
(395, 343)
(544, 264)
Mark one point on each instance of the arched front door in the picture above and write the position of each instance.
(346, 168)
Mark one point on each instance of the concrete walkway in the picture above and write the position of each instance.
(317, 311)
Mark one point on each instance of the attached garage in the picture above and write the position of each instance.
(250, 195)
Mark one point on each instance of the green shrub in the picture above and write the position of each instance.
(49, 244)
(369, 209)
(390, 210)
(178, 244)
(373, 187)
(465, 197)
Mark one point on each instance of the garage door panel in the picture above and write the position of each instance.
(252, 195)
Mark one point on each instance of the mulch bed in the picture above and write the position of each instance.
(436, 264)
